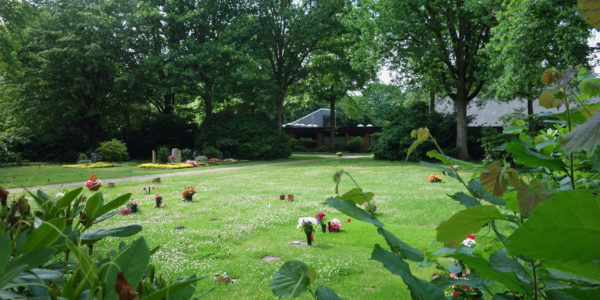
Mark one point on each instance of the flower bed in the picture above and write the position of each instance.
(164, 166)
(90, 166)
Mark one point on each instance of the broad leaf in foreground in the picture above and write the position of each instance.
(292, 279)
(419, 288)
(575, 236)
(465, 222)
(350, 209)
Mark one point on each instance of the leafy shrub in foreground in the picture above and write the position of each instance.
(114, 150)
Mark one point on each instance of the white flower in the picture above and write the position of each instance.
(336, 221)
(303, 220)
(59, 195)
(468, 242)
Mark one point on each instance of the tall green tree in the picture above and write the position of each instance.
(442, 40)
(70, 65)
(287, 33)
(345, 64)
(530, 36)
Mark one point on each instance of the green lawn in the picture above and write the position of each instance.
(237, 217)
(43, 174)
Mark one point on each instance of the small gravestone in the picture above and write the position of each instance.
(111, 184)
(95, 157)
(153, 156)
(299, 244)
(269, 258)
(179, 227)
(177, 153)
(156, 180)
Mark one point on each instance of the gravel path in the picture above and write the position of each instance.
(191, 172)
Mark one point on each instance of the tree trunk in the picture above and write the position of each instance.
(461, 127)
(169, 100)
(208, 107)
(332, 124)
(92, 124)
(279, 110)
(431, 101)
(529, 107)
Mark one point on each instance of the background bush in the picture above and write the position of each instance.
(395, 139)
(243, 136)
(162, 154)
(355, 144)
(211, 152)
(491, 139)
(113, 150)
(186, 154)
(303, 144)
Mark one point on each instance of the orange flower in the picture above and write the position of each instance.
(94, 177)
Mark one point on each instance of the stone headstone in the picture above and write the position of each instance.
(177, 153)
(153, 156)
(195, 154)
(111, 184)
(95, 157)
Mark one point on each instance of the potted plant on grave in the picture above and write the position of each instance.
(93, 184)
(172, 158)
(307, 225)
(158, 199)
(334, 225)
(321, 220)
(188, 193)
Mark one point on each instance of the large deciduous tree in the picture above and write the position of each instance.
(530, 36)
(441, 40)
(287, 33)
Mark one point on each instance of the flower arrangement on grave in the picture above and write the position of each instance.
(133, 205)
(125, 211)
(469, 241)
(334, 225)
(172, 158)
(321, 220)
(434, 178)
(193, 163)
(158, 200)
(214, 159)
(188, 193)
(93, 184)
(231, 160)
(455, 168)
(307, 224)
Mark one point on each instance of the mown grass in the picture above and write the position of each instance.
(45, 174)
(237, 218)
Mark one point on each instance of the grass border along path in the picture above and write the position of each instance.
(180, 173)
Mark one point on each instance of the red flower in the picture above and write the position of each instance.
(470, 236)
(348, 220)
(93, 177)
(455, 293)
(152, 187)
(312, 238)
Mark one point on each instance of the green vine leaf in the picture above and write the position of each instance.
(590, 11)
(291, 280)
(465, 222)
(530, 196)
(533, 159)
(585, 137)
(564, 228)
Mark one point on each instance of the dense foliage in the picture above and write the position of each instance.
(114, 150)
(243, 136)
(42, 254)
(394, 141)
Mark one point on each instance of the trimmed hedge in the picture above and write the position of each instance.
(243, 136)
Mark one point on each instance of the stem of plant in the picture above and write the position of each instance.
(454, 171)
(535, 287)
(571, 174)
